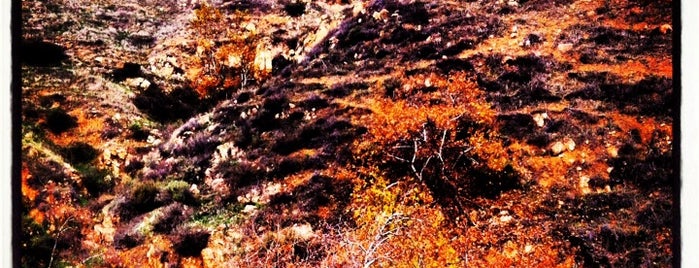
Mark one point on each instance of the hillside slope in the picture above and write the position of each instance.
(347, 133)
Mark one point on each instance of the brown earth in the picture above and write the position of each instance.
(347, 133)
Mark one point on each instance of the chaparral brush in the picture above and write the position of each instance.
(389, 133)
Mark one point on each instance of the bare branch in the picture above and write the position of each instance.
(423, 167)
(58, 235)
(398, 158)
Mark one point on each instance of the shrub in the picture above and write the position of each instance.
(41, 53)
(295, 9)
(143, 198)
(171, 216)
(44, 171)
(58, 121)
(189, 242)
(37, 244)
(138, 132)
(95, 180)
(228, 64)
(79, 152)
(179, 191)
(144, 195)
(124, 239)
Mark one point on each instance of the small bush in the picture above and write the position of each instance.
(144, 195)
(138, 132)
(40, 53)
(228, 65)
(179, 191)
(37, 244)
(124, 239)
(172, 216)
(181, 103)
(190, 242)
(79, 152)
(44, 171)
(143, 198)
(295, 9)
(58, 121)
(390, 86)
(95, 180)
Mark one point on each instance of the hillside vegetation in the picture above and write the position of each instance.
(263, 133)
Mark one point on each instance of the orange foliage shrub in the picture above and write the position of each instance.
(395, 228)
(392, 120)
(225, 53)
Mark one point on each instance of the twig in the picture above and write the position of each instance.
(441, 147)
(391, 185)
(380, 238)
(398, 158)
(422, 170)
(55, 240)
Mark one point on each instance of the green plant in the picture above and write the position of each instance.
(179, 190)
(144, 194)
(79, 153)
(144, 197)
(96, 180)
(212, 217)
(138, 131)
(121, 36)
(37, 244)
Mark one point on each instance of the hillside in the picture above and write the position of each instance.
(392, 133)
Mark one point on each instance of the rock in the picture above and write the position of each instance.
(557, 148)
(194, 189)
(233, 61)
(302, 232)
(219, 186)
(540, 119)
(139, 82)
(564, 47)
(250, 27)
(249, 209)
(513, 3)
(584, 184)
(505, 218)
(569, 144)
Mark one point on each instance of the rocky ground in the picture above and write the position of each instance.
(347, 133)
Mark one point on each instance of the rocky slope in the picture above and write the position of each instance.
(347, 133)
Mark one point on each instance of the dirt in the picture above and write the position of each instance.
(376, 133)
